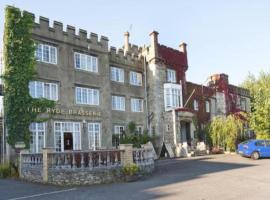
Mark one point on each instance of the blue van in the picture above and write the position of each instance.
(254, 149)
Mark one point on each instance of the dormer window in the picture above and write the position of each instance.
(171, 76)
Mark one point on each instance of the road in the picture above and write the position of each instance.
(212, 177)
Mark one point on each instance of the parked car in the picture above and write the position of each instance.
(254, 149)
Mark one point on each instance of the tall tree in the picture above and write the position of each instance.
(259, 118)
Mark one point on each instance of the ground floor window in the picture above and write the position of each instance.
(67, 136)
(117, 132)
(94, 135)
(37, 137)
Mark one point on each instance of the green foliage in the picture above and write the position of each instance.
(130, 170)
(224, 132)
(131, 127)
(19, 64)
(259, 118)
(8, 170)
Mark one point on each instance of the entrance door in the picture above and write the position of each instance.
(185, 132)
(68, 141)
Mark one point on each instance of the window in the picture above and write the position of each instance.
(87, 96)
(117, 74)
(118, 103)
(86, 62)
(119, 129)
(207, 106)
(136, 105)
(195, 104)
(39, 89)
(135, 78)
(243, 104)
(171, 76)
(67, 127)
(139, 129)
(260, 143)
(46, 53)
(94, 134)
(172, 96)
(37, 137)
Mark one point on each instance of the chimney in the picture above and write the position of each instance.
(183, 48)
(154, 44)
(154, 39)
(126, 44)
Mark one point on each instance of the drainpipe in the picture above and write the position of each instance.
(146, 94)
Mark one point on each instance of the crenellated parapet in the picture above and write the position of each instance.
(133, 57)
(57, 34)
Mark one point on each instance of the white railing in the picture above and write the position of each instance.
(32, 159)
(84, 159)
(143, 156)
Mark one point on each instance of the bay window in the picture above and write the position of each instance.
(172, 96)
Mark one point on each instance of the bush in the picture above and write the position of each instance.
(130, 170)
(8, 170)
(5, 171)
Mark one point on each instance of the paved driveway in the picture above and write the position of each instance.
(202, 178)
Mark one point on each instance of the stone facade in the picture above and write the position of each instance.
(173, 124)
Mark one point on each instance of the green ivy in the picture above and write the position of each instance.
(19, 58)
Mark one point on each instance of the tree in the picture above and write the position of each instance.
(19, 62)
(225, 131)
(259, 118)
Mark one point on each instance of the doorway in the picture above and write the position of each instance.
(185, 132)
(68, 141)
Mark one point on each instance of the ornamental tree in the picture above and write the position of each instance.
(19, 62)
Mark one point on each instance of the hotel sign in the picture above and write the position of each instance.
(63, 111)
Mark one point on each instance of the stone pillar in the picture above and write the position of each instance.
(21, 161)
(46, 163)
(126, 43)
(126, 154)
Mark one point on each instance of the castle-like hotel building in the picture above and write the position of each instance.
(98, 90)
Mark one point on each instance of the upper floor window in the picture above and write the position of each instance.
(117, 74)
(195, 104)
(38, 89)
(172, 96)
(85, 62)
(207, 106)
(243, 104)
(136, 105)
(135, 78)
(87, 96)
(118, 103)
(171, 76)
(46, 53)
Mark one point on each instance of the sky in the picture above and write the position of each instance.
(223, 36)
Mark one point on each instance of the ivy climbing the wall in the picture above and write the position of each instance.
(19, 62)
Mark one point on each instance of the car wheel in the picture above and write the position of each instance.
(255, 155)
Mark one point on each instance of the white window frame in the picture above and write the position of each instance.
(118, 103)
(207, 106)
(136, 104)
(139, 127)
(90, 62)
(117, 74)
(93, 144)
(41, 47)
(35, 132)
(87, 96)
(117, 129)
(172, 96)
(72, 127)
(35, 93)
(196, 104)
(135, 78)
(171, 76)
(243, 104)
